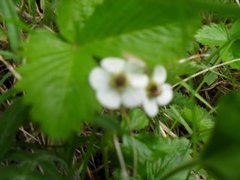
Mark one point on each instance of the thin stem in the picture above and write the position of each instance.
(206, 70)
(135, 156)
(201, 84)
(120, 157)
(105, 159)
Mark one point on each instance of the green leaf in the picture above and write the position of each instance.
(179, 156)
(137, 120)
(194, 115)
(10, 121)
(213, 35)
(9, 172)
(158, 156)
(211, 78)
(227, 39)
(117, 19)
(135, 15)
(55, 79)
(222, 154)
(72, 15)
(8, 10)
(234, 53)
(159, 45)
(45, 159)
(235, 30)
(162, 40)
(156, 31)
(26, 167)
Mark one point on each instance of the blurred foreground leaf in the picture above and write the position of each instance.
(56, 83)
(72, 15)
(222, 155)
(155, 31)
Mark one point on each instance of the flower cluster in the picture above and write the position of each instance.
(119, 82)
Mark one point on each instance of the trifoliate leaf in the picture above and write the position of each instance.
(227, 39)
(212, 35)
(194, 114)
(158, 156)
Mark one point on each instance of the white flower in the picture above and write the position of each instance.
(116, 83)
(157, 92)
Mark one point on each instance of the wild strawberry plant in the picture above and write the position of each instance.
(123, 89)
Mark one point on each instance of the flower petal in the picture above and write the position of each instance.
(138, 80)
(109, 99)
(99, 79)
(113, 64)
(166, 95)
(132, 97)
(159, 74)
(150, 107)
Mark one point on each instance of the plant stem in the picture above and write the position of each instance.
(135, 156)
(106, 166)
(120, 157)
(206, 70)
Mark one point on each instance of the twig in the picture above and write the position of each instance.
(27, 134)
(167, 130)
(214, 85)
(162, 131)
(10, 68)
(193, 57)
